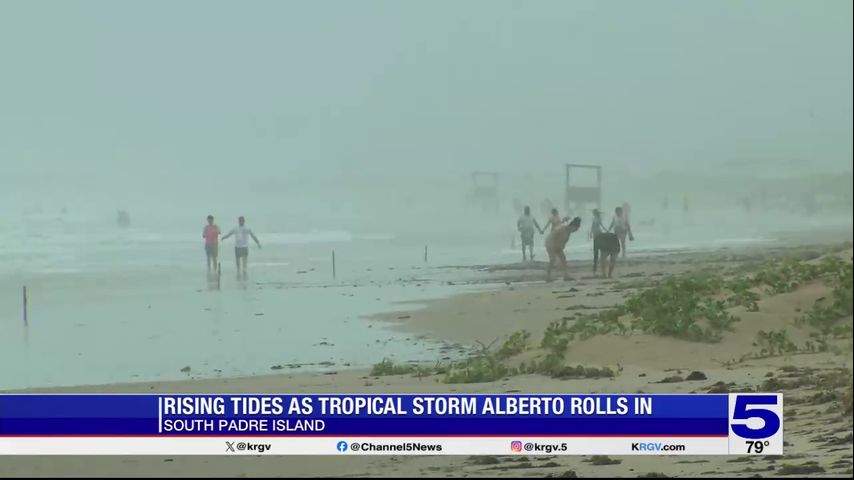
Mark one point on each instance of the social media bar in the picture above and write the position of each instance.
(718, 445)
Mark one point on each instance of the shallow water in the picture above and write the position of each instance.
(121, 332)
(109, 305)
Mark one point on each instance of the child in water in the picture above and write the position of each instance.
(553, 221)
(597, 226)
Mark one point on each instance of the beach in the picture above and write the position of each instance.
(303, 197)
(500, 299)
(144, 289)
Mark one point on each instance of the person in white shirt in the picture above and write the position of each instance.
(526, 225)
(620, 225)
(241, 243)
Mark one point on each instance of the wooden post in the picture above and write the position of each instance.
(566, 190)
(425, 253)
(218, 275)
(26, 322)
(333, 264)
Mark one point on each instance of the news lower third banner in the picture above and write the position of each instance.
(733, 424)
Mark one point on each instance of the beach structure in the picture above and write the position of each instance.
(581, 198)
(123, 219)
(485, 190)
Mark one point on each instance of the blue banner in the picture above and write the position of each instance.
(364, 415)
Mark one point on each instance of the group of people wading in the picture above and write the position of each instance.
(607, 242)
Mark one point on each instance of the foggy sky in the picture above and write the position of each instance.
(227, 91)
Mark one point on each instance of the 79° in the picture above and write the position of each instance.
(756, 446)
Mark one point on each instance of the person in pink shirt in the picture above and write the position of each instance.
(211, 236)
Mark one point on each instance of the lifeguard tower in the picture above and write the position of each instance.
(122, 219)
(578, 198)
(485, 190)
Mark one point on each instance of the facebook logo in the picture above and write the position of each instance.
(342, 446)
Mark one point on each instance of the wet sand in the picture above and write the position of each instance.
(818, 429)
(173, 312)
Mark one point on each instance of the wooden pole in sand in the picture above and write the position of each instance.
(425, 253)
(26, 322)
(333, 264)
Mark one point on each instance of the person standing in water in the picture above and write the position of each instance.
(620, 225)
(241, 244)
(526, 225)
(554, 220)
(597, 226)
(555, 243)
(211, 235)
(607, 245)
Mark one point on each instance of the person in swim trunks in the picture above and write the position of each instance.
(608, 245)
(555, 243)
(241, 244)
(211, 235)
(526, 225)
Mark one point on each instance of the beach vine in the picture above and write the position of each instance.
(694, 306)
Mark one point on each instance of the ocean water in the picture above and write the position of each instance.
(108, 305)
(113, 305)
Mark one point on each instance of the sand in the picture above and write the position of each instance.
(514, 297)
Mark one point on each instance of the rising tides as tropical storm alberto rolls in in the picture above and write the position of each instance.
(394, 405)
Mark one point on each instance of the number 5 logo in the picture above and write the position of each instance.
(746, 407)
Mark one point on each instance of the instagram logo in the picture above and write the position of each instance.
(516, 446)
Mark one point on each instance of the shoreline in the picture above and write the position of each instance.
(495, 290)
(519, 288)
(814, 383)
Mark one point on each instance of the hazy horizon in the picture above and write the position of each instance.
(301, 88)
(372, 115)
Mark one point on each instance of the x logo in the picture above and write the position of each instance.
(229, 446)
